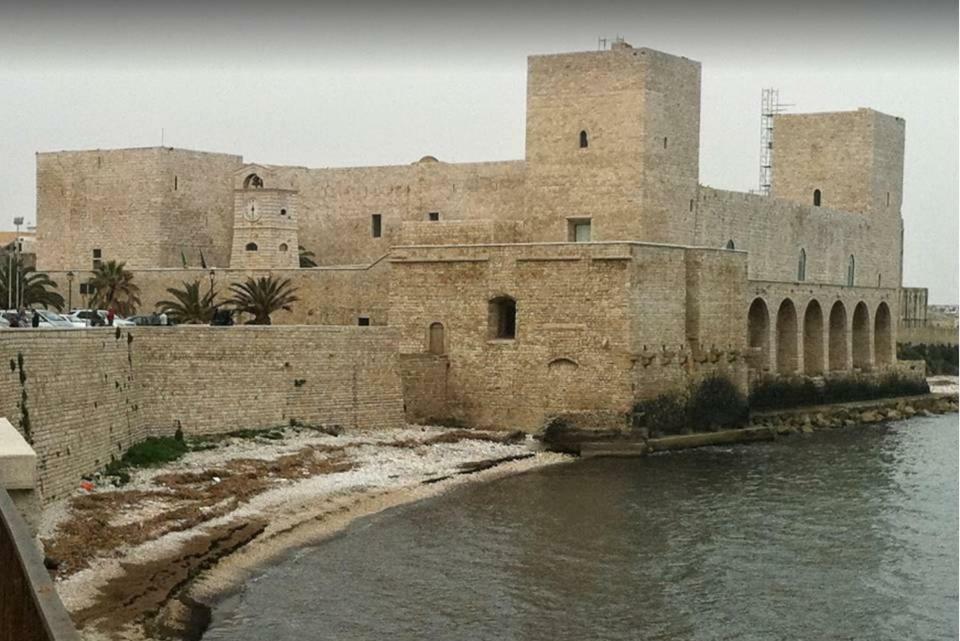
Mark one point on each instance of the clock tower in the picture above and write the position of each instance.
(264, 223)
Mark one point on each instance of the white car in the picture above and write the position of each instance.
(51, 320)
(87, 316)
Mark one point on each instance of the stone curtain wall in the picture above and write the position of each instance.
(328, 296)
(773, 232)
(79, 402)
(91, 395)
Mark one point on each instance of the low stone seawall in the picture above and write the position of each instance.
(82, 397)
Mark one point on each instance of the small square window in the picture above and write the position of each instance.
(97, 254)
(578, 230)
(97, 264)
(83, 289)
(433, 216)
(363, 321)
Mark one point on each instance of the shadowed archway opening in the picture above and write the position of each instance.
(838, 337)
(882, 338)
(758, 330)
(787, 337)
(436, 345)
(861, 336)
(813, 339)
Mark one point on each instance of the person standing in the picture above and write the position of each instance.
(36, 319)
(110, 316)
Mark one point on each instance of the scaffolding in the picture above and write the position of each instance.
(770, 106)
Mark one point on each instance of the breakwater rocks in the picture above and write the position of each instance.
(573, 434)
(810, 419)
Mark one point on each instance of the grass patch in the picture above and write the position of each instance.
(713, 404)
(798, 392)
(148, 453)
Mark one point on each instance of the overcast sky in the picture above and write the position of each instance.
(386, 83)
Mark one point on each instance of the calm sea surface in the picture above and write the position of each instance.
(850, 534)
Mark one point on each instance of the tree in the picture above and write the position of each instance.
(307, 257)
(36, 289)
(113, 287)
(189, 305)
(262, 296)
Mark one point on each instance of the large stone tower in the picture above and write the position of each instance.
(265, 223)
(612, 146)
(850, 161)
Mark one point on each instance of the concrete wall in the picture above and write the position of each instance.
(82, 397)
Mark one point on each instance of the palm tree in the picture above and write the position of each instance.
(36, 288)
(306, 257)
(262, 297)
(113, 287)
(189, 305)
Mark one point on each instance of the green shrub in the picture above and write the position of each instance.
(714, 403)
(940, 359)
(777, 393)
(147, 453)
(787, 393)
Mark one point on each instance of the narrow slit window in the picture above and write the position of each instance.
(664, 142)
(816, 197)
(176, 183)
(376, 225)
(584, 143)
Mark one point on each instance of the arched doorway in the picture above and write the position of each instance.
(758, 330)
(436, 345)
(861, 336)
(787, 338)
(813, 339)
(882, 339)
(838, 337)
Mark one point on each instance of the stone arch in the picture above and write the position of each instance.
(730, 244)
(284, 247)
(253, 181)
(882, 336)
(861, 336)
(251, 247)
(838, 336)
(562, 364)
(813, 339)
(758, 330)
(436, 344)
(787, 337)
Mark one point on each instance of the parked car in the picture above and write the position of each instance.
(4, 323)
(52, 320)
(97, 318)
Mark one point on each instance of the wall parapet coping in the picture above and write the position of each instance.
(591, 244)
(18, 461)
(836, 286)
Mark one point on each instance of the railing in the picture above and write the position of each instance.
(30, 609)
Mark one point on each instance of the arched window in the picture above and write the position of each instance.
(253, 181)
(802, 266)
(816, 197)
(283, 247)
(436, 338)
(730, 244)
(503, 318)
(851, 270)
(251, 247)
(583, 140)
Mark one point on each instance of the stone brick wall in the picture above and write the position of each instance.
(84, 396)
(142, 206)
(585, 315)
(425, 394)
(328, 295)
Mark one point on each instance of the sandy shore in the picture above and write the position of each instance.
(178, 537)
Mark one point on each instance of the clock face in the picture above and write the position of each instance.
(251, 213)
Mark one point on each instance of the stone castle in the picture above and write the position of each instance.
(595, 272)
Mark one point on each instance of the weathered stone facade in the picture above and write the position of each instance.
(621, 275)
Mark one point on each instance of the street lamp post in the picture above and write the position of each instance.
(17, 221)
(69, 291)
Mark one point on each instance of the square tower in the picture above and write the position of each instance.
(612, 145)
(265, 223)
(850, 161)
